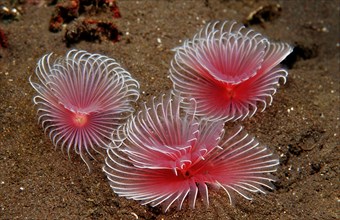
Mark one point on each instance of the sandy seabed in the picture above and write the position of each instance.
(301, 126)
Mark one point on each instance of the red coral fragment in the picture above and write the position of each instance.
(69, 10)
(113, 7)
(3, 39)
(91, 30)
(64, 13)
